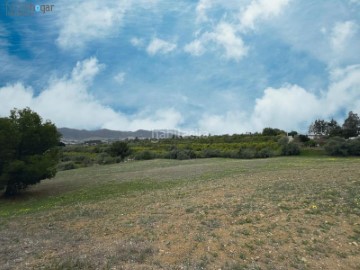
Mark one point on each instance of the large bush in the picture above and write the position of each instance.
(120, 150)
(290, 149)
(144, 155)
(340, 147)
(354, 147)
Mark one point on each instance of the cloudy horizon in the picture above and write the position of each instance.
(209, 65)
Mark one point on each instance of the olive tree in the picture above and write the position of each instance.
(28, 150)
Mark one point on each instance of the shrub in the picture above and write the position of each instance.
(340, 147)
(182, 155)
(247, 153)
(211, 153)
(105, 158)
(230, 154)
(290, 149)
(283, 141)
(265, 153)
(354, 147)
(65, 158)
(310, 143)
(144, 155)
(172, 154)
(336, 147)
(272, 132)
(119, 149)
(190, 153)
(64, 166)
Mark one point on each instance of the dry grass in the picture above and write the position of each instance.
(281, 213)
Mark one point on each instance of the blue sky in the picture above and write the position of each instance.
(206, 66)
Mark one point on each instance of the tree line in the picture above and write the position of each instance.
(350, 127)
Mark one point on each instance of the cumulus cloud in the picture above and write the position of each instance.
(81, 22)
(286, 107)
(341, 33)
(344, 91)
(13, 96)
(67, 102)
(291, 107)
(225, 36)
(87, 21)
(260, 10)
(195, 47)
(159, 46)
(228, 34)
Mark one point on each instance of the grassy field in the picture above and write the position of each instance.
(279, 213)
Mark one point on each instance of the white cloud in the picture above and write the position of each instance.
(341, 33)
(68, 103)
(120, 77)
(195, 47)
(322, 32)
(85, 71)
(287, 107)
(225, 36)
(159, 46)
(137, 42)
(14, 96)
(228, 123)
(291, 107)
(260, 10)
(201, 8)
(82, 22)
(344, 90)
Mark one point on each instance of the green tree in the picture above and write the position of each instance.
(351, 126)
(28, 150)
(333, 129)
(272, 132)
(319, 127)
(120, 150)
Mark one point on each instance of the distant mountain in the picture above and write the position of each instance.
(69, 134)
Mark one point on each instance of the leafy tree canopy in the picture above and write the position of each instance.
(351, 126)
(28, 152)
(119, 149)
(273, 132)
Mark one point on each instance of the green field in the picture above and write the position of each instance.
(279, 213)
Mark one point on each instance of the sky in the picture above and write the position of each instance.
(200, 66)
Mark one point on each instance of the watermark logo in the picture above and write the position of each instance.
(169, 134)
(22, 9)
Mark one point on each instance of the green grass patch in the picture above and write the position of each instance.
(91, 194)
